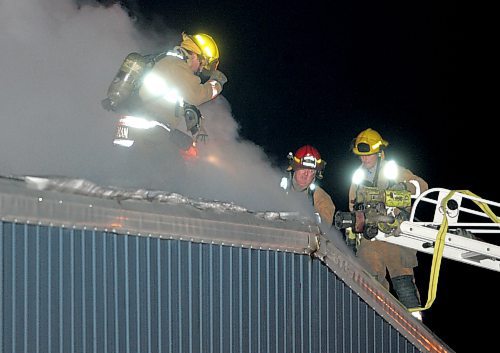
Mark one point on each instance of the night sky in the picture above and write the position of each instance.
(320, 72)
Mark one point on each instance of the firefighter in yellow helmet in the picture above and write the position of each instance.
(381, 257)
(305, 166)
(172, 89)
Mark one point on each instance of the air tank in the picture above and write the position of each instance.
(126, 79)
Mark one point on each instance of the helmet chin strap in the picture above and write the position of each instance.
(188, 58)
(380, 157)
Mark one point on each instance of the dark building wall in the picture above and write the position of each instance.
(74, 290)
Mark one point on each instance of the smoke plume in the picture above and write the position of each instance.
(57, 61)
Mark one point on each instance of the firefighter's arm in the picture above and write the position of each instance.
(197, 93)
(352, 196)
(219, 77)
(193, 91)
(324, 205)
(407, 176)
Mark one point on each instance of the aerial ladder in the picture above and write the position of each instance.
(454, 224)
(458, 221)
(467, 228)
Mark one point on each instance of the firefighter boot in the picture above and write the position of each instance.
(406, 290)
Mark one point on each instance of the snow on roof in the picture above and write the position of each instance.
(80, 203)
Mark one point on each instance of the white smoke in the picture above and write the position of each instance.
(56, 64)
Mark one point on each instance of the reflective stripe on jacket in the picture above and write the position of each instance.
(178, 76)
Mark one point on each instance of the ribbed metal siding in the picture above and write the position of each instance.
(70, 290)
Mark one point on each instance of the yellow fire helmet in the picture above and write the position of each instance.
(201, 44)
(368, 142)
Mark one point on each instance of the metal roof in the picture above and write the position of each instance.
(77, 204)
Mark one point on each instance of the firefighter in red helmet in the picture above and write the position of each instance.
(305, 167)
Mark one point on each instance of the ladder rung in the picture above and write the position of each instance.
(474, 256)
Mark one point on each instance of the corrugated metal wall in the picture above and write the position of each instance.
(70, 290)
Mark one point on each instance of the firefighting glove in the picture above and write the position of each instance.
(219, 77)
(201, 136)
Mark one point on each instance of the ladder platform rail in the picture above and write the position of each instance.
(463, 210)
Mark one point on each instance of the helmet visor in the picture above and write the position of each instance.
(363, 147)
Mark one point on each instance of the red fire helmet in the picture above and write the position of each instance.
(307, 157)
